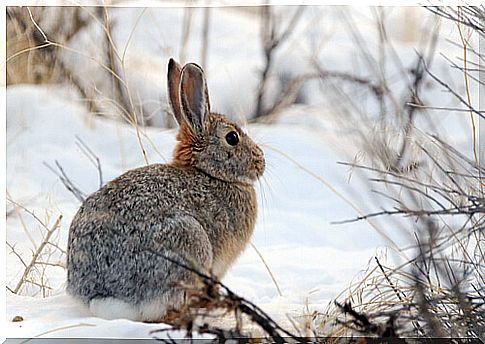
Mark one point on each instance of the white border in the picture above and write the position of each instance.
(3, 107)
(147, 3)
(221, 3)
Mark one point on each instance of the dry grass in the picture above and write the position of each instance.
(430, 192)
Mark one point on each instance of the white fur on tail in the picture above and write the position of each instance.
(111, 308)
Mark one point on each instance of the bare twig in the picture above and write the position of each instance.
(389, 281)
(36, 255)
(454, 93)
(92, 157)
(69, 185)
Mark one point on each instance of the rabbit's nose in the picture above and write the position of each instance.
(258, 158)
(260, 166)
(257, 152)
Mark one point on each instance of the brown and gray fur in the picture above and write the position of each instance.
(201, 208)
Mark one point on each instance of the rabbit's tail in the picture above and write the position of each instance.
(112, 308)
(148, 311)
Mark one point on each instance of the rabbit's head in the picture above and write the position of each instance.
(209, 141)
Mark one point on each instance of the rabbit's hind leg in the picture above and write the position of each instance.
(180, 238)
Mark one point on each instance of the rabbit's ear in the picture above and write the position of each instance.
(194, 98)
(173, 86)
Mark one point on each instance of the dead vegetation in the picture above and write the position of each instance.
(434, 194)
(47, 254)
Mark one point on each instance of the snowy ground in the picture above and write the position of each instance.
(302, 192)
(293, 227)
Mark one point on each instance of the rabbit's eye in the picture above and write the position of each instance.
(232, 138)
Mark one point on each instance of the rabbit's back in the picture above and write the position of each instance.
(140, 198)
(142, 195)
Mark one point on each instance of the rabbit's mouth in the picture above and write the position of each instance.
(256, 171)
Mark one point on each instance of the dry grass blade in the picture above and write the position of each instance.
(267, 269)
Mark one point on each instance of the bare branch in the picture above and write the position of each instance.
(270, 43)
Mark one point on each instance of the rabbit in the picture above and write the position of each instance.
(201, 207)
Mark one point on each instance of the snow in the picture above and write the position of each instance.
(63, 317)
(303, 190)
(293, 228)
